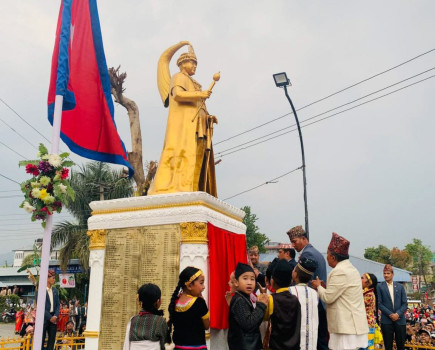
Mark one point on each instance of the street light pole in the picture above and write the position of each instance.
(281, 80)
(303, 160)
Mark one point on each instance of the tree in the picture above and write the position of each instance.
(421, 258)
(135, 156)
(32, 260)
(253, 236)
(400, 258)
(380, 254)
(94, 181)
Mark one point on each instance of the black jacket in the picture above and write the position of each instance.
(244, 322)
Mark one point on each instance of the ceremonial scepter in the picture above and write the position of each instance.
(216, 78)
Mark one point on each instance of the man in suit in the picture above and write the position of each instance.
(285, 252)
(51, 311)
(299, 240)
(345, 309)
(393, 304)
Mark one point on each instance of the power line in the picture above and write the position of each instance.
(326, 97)
(13, 150)
(29, 224)
(10, 191)
(9, 179)
(15, 131)
(330, 110)
(69, 157)
(265, 183)
(330, 116)
(25, 121)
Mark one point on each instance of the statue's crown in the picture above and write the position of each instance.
(190, 55)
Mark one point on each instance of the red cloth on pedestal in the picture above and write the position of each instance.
(226, 249)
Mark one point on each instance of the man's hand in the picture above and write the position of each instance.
(316, 283)
(53, 319)
(394, 317)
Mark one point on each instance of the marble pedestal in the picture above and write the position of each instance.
(188, 211)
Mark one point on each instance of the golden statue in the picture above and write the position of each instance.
(187, 161)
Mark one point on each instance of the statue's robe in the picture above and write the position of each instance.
(187, 161)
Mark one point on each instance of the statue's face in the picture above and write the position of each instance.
(189, 67)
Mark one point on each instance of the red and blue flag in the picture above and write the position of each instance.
(79, 73)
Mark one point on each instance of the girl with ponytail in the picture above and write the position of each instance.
(148, 330)
(188, 312)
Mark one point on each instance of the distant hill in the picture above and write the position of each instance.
(8, 256)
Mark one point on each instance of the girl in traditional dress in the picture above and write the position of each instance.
(148, 330)
(188, 312)
(19, 316)
(369, 282)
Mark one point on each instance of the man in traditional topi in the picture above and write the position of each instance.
(345, 309)
(300, 242)
(393, 304)
(254, 255)
(51, 311)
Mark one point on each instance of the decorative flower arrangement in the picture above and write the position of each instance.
(48, 190)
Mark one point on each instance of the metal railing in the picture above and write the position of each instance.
(414, 345)
(26, 343)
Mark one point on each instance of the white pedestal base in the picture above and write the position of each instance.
(192, 210)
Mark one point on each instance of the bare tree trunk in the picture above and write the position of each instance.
(135, 156)
(152, 168)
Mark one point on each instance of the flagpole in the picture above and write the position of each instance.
(46, 242)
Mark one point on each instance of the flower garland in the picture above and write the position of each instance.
(48, 190)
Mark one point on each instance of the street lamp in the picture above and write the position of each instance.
(281, 80)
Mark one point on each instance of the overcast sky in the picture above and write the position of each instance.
(370, 170)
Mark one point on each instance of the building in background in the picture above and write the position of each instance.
(20, 254)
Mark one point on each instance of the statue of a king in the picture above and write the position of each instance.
(187, 161)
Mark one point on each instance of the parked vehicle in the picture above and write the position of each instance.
(9, 316)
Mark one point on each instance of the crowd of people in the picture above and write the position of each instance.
(5, 291)
(63, 320)
(69, 312)
(285, 304)
(288, 304)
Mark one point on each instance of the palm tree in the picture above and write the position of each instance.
(92, 182)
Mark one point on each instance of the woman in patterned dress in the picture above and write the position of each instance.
(369, 282)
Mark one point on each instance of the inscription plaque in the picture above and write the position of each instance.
(135, 256)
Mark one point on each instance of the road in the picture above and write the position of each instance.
(7, 330)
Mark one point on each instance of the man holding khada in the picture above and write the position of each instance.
(345, 310)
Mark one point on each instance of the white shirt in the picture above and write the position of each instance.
(50, 296)
(391, 290)
(309, 315)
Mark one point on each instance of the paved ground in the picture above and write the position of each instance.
(7, 330)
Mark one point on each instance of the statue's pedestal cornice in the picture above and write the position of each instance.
(166, 209)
